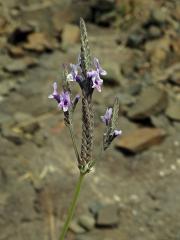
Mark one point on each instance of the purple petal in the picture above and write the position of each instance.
(107, 116)
(99, 68)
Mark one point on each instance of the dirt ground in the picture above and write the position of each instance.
(138, 43)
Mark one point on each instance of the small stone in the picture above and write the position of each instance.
(20, 65)
(87, 222)
(15, 51)
(85, 237)
(17, 66)
(95, 207)
(76, 228)
(21, 117)
(6, 86)
(38, 42)
(141, 139)
(173, 110)
(175, 77)
(113, 77)
(108, 216)
(152, 100)
(15, 137)
(31, 127)
(154, 32)
(6, 119)
(40, 138)
(158, 17)
(70, 34)
(136, 39)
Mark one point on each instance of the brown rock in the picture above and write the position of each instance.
(15, 51)
(38, 42)
(152, 100)
(141, 139)
(3, 25)
(70, 34)
(175, 77)
(173, 110)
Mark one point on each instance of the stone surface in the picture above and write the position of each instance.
(20, 65)
(141, 139)
(113, 77)
(70, 34)
(108, 216)
(13, 136)
(152, 100)
(38, 42)
(175, 77)
(76, 228)
(87, 222)
(173, 110)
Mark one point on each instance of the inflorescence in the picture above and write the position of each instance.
(87, 74)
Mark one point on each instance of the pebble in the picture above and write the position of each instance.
(173, 110)
(108, 216)
(76, 228)
(87, 222)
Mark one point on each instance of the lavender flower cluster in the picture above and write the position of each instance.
(88, 74)
(94, 76)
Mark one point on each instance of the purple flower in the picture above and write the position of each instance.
(55, 95)
(75, 68)
(96, 80)
(65, 101)
(107, 116)
(74, 72)
(99, 68)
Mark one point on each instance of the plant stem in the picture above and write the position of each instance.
(74, 142)
(72, 207)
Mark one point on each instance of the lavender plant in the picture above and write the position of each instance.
(87, 74)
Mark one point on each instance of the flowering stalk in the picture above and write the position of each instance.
(89, 80)
(72, 206)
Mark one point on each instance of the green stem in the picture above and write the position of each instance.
(74, 142)
(72, 207)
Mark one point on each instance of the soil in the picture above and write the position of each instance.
(38, 170)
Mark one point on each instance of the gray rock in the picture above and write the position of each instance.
(6, 119)
(21, 117)
(175, 77)
(158, 17)
(95, 207)
(6, 86)
(108, 216)
(76, 228)
(87, 222)
(113, 76)
(17, 66)
(86, 237)
(20, 65)
(136, 39)
(152, 100)
(15, 137)
(40, 138)
(173, 110)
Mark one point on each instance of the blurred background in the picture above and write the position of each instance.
(134, 191)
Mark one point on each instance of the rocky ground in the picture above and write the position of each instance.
(134, 192)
